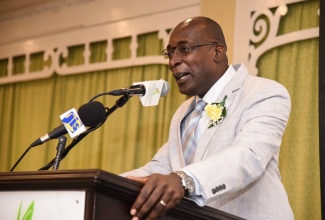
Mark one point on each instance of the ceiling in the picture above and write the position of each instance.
(10, 9)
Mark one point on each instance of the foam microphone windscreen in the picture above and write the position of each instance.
(92, 113)
(165, 89)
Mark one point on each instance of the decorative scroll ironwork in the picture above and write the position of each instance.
(264, 35)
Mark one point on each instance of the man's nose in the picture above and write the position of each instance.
(175, 60)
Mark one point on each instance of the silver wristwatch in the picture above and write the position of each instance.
(187, 183)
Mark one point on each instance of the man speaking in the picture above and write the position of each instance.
(224, 142)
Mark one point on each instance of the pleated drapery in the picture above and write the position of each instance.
(133, 134)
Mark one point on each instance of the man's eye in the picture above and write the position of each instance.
(183, 49)
(170, 51)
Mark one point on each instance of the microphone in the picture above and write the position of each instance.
(132, 90)
(140, 89)
(148, 91)
(89, 114)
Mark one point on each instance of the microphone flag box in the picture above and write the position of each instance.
(153, 92)
(72, 123)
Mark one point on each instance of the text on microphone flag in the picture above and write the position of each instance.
(153, 92)
(72, 123)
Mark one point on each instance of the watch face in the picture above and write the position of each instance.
(187, 182)
(190, 185)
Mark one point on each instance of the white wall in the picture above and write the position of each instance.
(53, 26)
(27, 19)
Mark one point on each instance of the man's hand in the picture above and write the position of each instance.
(159, 194)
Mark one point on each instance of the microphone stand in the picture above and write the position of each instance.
(61, 145)
(118, 104)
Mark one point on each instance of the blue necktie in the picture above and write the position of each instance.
(189, 140)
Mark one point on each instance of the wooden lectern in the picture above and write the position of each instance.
(106, 195)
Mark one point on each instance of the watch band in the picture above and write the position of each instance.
(187, 182)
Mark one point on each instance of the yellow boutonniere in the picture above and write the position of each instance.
(216, 112)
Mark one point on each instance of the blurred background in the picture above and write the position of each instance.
(57, 54)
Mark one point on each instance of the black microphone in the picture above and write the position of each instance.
(132, 90)
(91, 114)
(139, 89)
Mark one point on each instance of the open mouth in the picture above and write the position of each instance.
(181, 76)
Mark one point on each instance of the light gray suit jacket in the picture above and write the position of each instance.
(236, 162)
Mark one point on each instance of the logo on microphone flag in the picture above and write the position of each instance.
(153, 92)
(72, 123)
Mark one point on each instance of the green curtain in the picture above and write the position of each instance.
(133, 133)
(128, 139)
(295, 65)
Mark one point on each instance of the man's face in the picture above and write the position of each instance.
(195, 71)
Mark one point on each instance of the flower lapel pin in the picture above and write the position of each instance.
(216, 112)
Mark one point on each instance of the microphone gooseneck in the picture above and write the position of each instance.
(91, 114)
(132, 90)
(139, 89)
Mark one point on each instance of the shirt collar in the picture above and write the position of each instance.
(217, 88)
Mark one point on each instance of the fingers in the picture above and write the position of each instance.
(144, 202)
(159, 194)
(162, 202)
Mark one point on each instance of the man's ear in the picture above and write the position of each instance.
(219, 53)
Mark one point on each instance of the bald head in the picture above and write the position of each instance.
(197, 55)
(205, 27)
